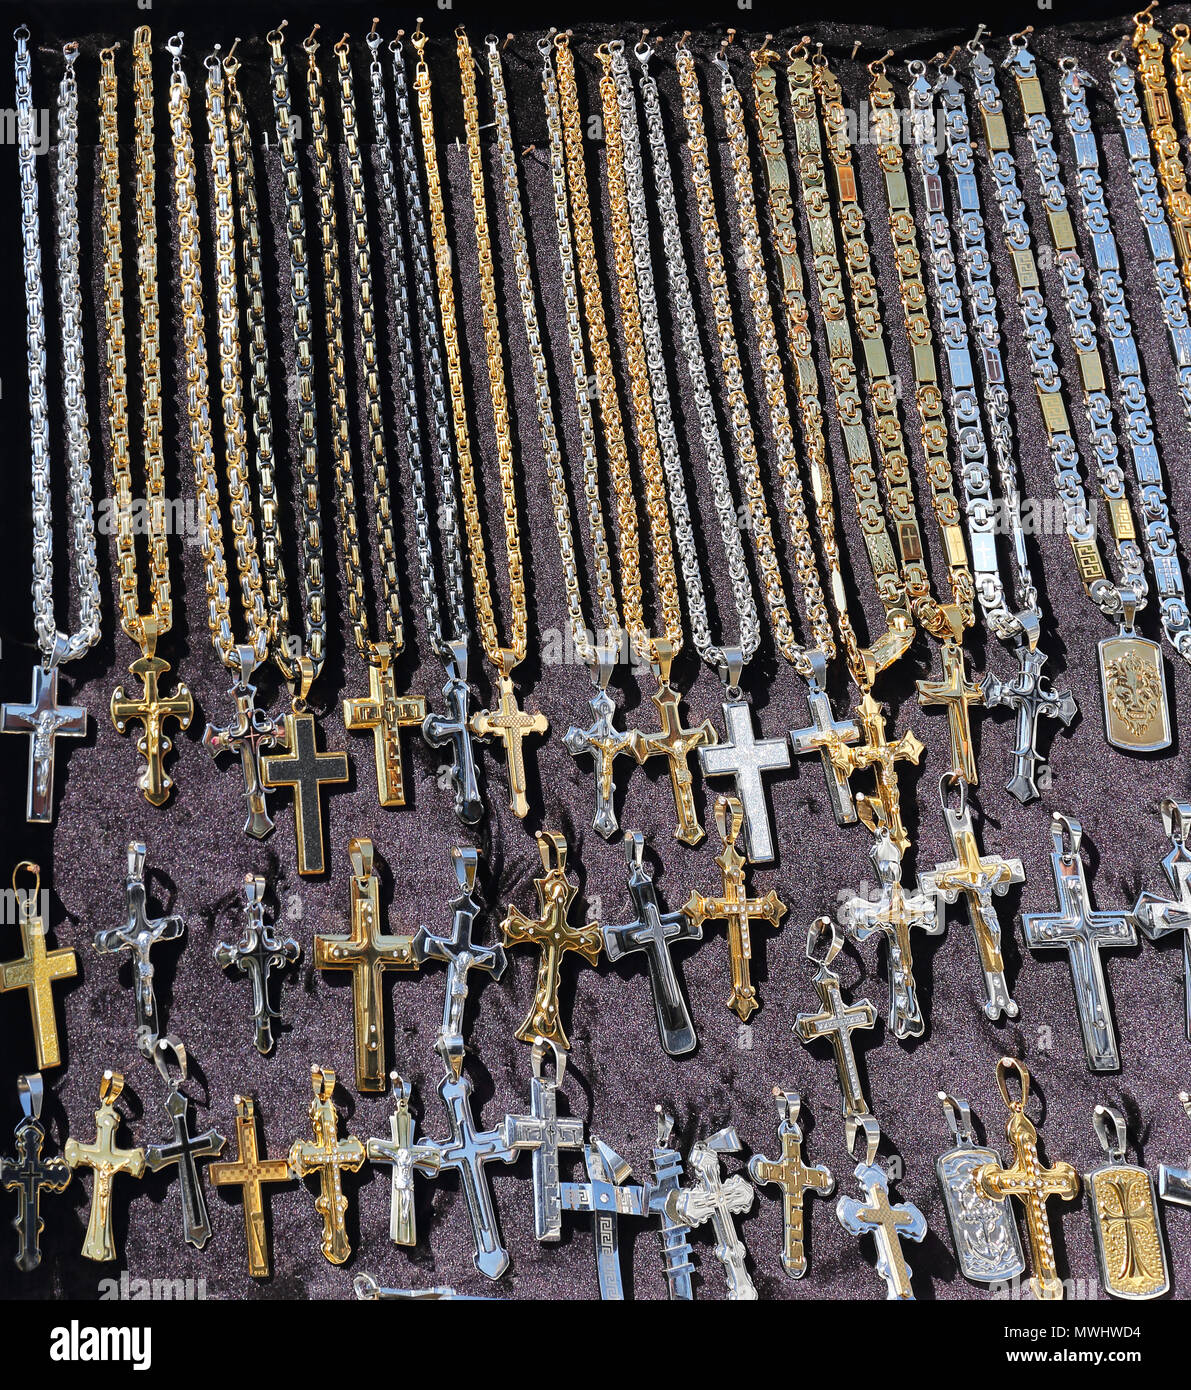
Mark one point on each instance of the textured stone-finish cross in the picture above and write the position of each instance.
(329, 1157)
(107, 1161)
(247, 735)
(36, 968)
(383, 713)
(1158, 916)
(260, 950)
(794, 1178)
(553, 935)
(250, 1172)
(306, 771)
(735, 908)
(745, 757)
(545, 1135)
(45, 721)
(367, 951)
(28, 1173)
(152, 711)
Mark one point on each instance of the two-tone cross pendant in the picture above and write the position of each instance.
(260, 950)
(794, 1179)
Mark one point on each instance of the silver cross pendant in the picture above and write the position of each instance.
(712, 1197)
(454, 727)
(665, 1182)
(185, 1148)
(260, 950)
(983, 1230)
(544, 1135)
(1158, 916)
(247, 735)
(406, 1156)
(874, 1216)
(744, 757)
(607, 1197)
(45, 721)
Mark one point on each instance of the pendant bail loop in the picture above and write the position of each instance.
(959, 1118)
(1111, 1131)
(31, 1090)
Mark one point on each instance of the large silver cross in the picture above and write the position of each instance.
(138, 935)
(712, 1197)
(1158, 916)
(544, 1135)
(249, 732)
(1083, 933)
(745, 757)
(607, 1198)
(44, 720)
(260, 949)
(454, 727)
(185, 1147)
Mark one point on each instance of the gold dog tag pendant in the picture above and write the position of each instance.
(1133, 688)
(1129, 1244)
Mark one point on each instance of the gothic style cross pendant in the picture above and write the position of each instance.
(735, 908)
(893, 916)
(712, 1197)
(384, 713)
(977, 878)
(184, 1148)
(36, 968)
(1029, 695)
(604, 743)
(554, 936)
(955, 693)
(653, 934)
(674, 742)
(793, 1177)
(1083, 934)
(260, 950)
(367, 951)
(544, 1135)
(874, 1216)
(107, 1161)
(1029, 1181)
(1129, 1245)
(467, 1151)
(982, 1227)
(511, 725)
(249, 732)
(836, 1021)
(405, 1155)
(330, 1157)
(881, 757)
(606, 1196)
(138, 935)
(1158, 916)
(307, 771)
(152, 712)
(745, 757)
(454, 727)
(462, 954)
(28, 1174)
(44, 720)
(822, 734)
(249, 1173)
(665, 1181)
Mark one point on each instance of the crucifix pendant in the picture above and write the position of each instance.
(836, 1021)
(454, 728)
(185, 1148)
(405, 1156)
(553, 935)
(544, 1134)
(246, 735)
(878, 755)
(665, 1181)
(36, 968)
(976, 878)
(512, 726)
(608, 1196)
(653, 934)
(329, 1157)
(1083, 933)
(794, 1179)
(1129, 1245)
(152, 711)
(710, 1197)
(674, 742)
(1029, 695)
(260, 950)
(107, 1161)
(1158, 916)
(745, 757)
(28, 1173)
(249, 1173)
(874, 1216)
(603, 742)
(822, 734)
(303, 768)
(44, 720)
(367, 951)
(384, 713)
(735, 908)
(987, 1245)
(956, 694)
(1133, 687)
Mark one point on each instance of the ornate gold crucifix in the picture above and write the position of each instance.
(107, 1161)
(152, 711)
(329, 1157)
(880, 756)
(384, 713)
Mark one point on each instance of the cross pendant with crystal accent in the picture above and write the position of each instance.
(44, 720)
(307, 771)
(138, 935)
(793, 1177)
(1029, 695)
(28, 1173)
(653, 934)
(152, 711)
(329, 1157)
(512, 726)
(107, 1161)
(384, 713)
(454, 727)
(247, 734)
(604, 743)
(1158, 916)
(712, 1197)
(745, 757)
(249, 1173)
(544, 1134)
(406, 1156)
(367, 951)
(821, 735)
(1083, 933)
(260, 950)
(607, 1197)
(36, 969)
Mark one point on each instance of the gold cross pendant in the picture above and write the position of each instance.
(367, 951)
(330, 1157)
(36, 968)
(554, 936)
(674, 742)
(880, 756)
(955, 693)
(793, 1177)
(735, 907)
(249, 1173)
(511, 725)
(152, 711)
(383, 713)
(106, 1161)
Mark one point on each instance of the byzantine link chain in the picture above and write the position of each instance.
(1171, 172)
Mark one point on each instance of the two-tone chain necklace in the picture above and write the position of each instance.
(742, 755)
(673, 741)
(1172, 174)
(1132, 679)
(153, 709)
(452, 727)
(944, 621)
(875, 752)
(601, 740)
(382, 712)
(43, 719)
(1131, 387)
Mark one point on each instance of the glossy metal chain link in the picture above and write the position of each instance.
(1173, 176)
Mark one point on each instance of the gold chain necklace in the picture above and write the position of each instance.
(1171, 172)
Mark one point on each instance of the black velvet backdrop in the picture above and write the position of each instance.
(617, 1072)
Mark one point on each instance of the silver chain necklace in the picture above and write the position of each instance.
(43, 719)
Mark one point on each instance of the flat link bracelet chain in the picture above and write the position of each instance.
(56, 647)
(1171, 172)
(1131, 387)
